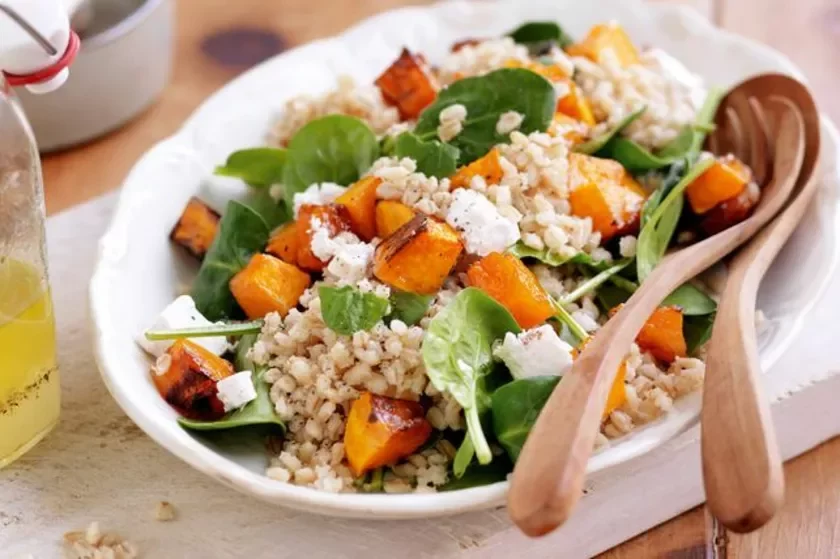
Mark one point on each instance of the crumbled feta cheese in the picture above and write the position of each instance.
(181, 313)
(322, 244)
(236, 390)
(351, 261)
(318, 194)
(483, 228)
(535, 352)
(585, 320)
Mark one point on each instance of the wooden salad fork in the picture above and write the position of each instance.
(548, 478)
(742, 469)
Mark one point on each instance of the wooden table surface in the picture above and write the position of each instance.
(808, 31)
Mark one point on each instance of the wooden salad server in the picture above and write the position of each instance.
(742, 468)
(548, 478)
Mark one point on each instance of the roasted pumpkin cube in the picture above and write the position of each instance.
(284, 243)
(505, 278)
(186, 377)
(489, 167)
(418, 256)
(724, 180)
(267, 284)
(551, 72)
(360, 201)
(408, 85)
(390, 216)
(575, 105)
(662, 335)
(618, 392)
(334, 218)
(732, 211)
(381, 430)
(196, 228)
(603, 37)
(603, 191)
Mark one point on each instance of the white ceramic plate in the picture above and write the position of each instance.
(138, 272)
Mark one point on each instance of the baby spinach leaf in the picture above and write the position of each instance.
(434, 158)
(697, 331)
(611, 296)
(486, 98)
(477, 475)
(691, 300)
(656, 234)
(634, 157)
(595, 282)
(347, 310)
(536, 35)
(516, 407)
(242, 233)
(224, 329)
(274, 212)
(259, 167)
(408, 307)
(546, 256)
(597, 143)
(458, 353)
(334, 148)
(259, 411)
(463, 457)
(705, 120)
(669, 181)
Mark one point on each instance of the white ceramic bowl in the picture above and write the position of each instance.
(139, 273)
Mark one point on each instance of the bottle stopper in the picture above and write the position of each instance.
(37, 45)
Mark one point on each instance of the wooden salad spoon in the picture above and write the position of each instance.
(742, 468)
(548, 478)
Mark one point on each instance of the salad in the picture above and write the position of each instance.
(420, 260)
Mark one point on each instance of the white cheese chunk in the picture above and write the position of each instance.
(318, 194)
(236, 390)
(351, 261)
(181, 313)
(585, 320)
(483, 228)
(535, 352)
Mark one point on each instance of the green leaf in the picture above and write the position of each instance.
(551, 258)
(516, 407)
(597, 143)
(656, 234)
(595, 281)
(273, 212)
(347, 310)
(334, 148)
(634, 157)
(539, 34)
(408, 307)
(669, 181)
(611, 296)
(458, 353)
(259, 167)
(477, 475)
(691, 300)
(705, 120)
(546, 256)
(259, 411)
(697, 331)
(463, 457)
(242, 233)
(226, 329)
(486, 98)
(434, 158)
